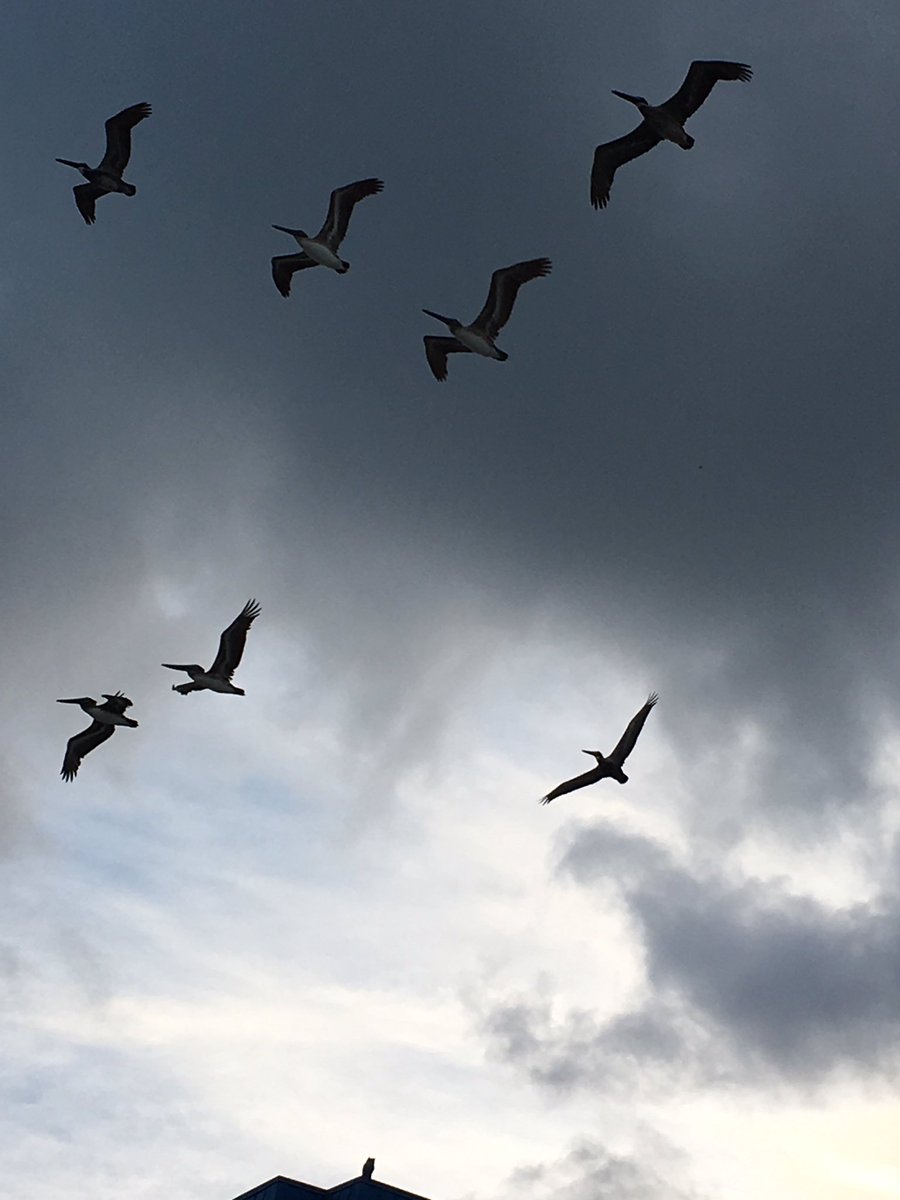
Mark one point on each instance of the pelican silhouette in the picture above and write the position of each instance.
(661, 123)
(107, 177)
(609, 767)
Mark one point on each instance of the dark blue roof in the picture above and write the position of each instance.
(359, 1188)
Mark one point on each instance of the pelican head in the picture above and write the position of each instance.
(448, 321)
(631, 99)
(67, 162)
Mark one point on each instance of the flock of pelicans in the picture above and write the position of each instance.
(662, 122)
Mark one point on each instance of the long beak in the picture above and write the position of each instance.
(78, 701)
(593, 753)
(437, 316)
(625, 96)
(284, 229)
(66, 162)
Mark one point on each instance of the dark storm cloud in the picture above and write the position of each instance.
(690, 451)
(747, 984)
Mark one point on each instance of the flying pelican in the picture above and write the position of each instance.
(478, 338)
(231, 647)
(108, 176)
(105, 719)
(322, 250)
(611, 767)
(661, 123)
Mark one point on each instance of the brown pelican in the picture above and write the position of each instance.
(611, 767)
(108, 176)
(105, 719)
(478, 338)
(661, 123)
(322, 250)
(231, 647)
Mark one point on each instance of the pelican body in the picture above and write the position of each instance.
(661, 122)
(608, 767)
(103, 725)
(231, 649)
(322, 250)
(107, 177)
(480, 336)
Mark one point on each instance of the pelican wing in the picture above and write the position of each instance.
(572, 785)
(284, 267)
(232, 641)
(611, 155)
(86, 196)
(505, 284)
(117, 703)
(81, 744)
(118, 137)
(436, 351)
(343, 199)
(630, 736)
(700, 80)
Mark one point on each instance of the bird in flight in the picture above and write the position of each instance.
(322, 250)
(231, 648)
(108, 176)
(610, 767)
(478, 338)
(661, 123)
(105, 719)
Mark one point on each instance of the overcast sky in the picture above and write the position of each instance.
(278, 934)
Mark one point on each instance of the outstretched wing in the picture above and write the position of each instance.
(630, 736)
(232, 641)
(81, 744)
(117, 703)
(118, 137)
(436, 351)
(611, 155)
(86, 196)
(505, 284)
(343, 199)
(572, 785)
(284, 266)
(700, 80)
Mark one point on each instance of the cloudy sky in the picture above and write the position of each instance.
(279, 934)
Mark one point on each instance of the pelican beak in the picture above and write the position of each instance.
(69, 701)
(437, 316)
(292, 232)
(631, 99)
(67, 162)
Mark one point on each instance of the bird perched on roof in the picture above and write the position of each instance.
(661, 122)
(322, 250)
(107, 177)
(231, 648)
(608, 767)
(105, 719)
(479, 337)
(368, 1168)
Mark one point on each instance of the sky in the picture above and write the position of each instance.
(280, 933)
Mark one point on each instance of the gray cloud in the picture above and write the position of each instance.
(747, 984)
(592, 1171)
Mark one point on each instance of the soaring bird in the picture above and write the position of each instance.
(661, 123)
(478, 338)
(108, 176)
(105, 719)
(611, 767)
(231, 647)
(322, 250)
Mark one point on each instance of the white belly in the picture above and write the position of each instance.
(321, 254)
(215, 684)
(476, 342)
